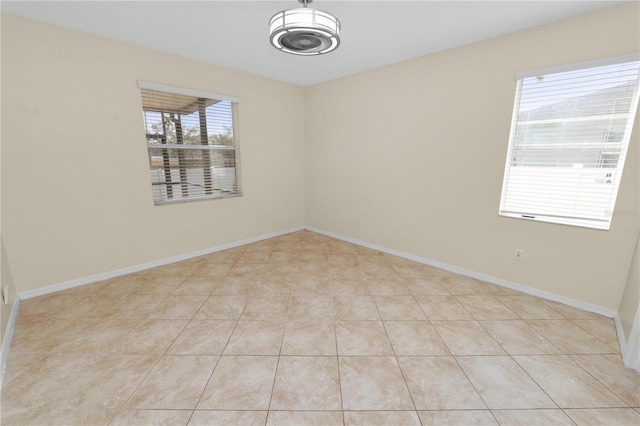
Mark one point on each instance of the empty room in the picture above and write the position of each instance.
(320, 212)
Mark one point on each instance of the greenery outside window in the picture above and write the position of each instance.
(192, 142)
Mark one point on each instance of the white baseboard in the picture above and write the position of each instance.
(630, 350)
(472, 274)
(137, 268)
(622, 342)
(8, 337)
(487, 278)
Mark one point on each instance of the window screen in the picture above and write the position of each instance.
(192, 144)
(569, 135)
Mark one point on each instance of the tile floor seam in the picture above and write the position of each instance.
(335, 337)
(551, 307)
(535, 381)
(490, 336)
(613, 352)
(128, 400)
(494, 416)
(528, 322)
(275, 375)
(160, 357)
(475, 388)
(505, 349)
(204, 389)
(590, 331)
(575, 363)
(455, 296)
(395, 357)
(595, 378)
(420, 307)
(507, 307)
(124, 404)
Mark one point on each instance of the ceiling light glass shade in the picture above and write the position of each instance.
(304, 31)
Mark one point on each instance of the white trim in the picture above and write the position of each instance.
(137, 268)
(622, 342)
(487, 278)
(631, 57)
(493, 280)
(186, 92)
(631, 350)
(8, 337)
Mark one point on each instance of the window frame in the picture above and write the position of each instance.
(605, 223)
(182, 149)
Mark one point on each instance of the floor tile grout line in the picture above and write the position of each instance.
(275, 374)
(124, 403)
(552, 308)
(498, 343)
(155, 364)
(570, 356)
(591, 333)
(335, 338)
(567, 414)
(613, 352)
(456, 296)
(480, 323)
(532, 328)
(395, 357)
(165, 354)
(204, 389)
(475, 388)
(536, 381)
(435, 329)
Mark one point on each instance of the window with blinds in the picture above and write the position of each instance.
(569, 136)
(192, 143)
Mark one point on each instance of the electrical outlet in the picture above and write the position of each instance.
(518, 254)
(189, 230)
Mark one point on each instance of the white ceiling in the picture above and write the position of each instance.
(235, 33)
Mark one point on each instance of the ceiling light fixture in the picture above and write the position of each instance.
(304, 31)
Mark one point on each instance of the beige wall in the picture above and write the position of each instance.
(76, 193)
(6, 278)
(5, 272)
(411, 157)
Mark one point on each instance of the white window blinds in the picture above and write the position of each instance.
(569, 136)
(192, 144)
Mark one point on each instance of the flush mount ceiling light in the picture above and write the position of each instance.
(304, 31)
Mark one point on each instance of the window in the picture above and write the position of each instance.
(569, 136)
(192, 144)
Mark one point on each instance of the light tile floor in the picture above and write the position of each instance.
(306, 329)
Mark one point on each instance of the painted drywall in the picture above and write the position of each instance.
(6, 279)
(411, 157)
(76, 192)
